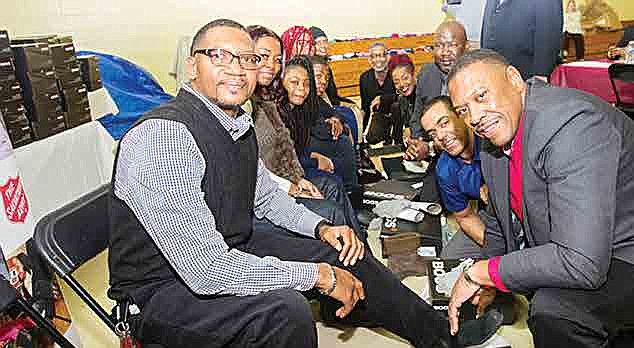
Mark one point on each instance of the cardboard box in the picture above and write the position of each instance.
(401, 236)
(440, 293)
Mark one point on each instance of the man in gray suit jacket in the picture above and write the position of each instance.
(560, 169)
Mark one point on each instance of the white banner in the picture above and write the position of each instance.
(16, 219)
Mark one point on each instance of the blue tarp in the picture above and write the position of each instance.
(132, 88)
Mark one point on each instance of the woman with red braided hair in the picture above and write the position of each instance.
(297, 40)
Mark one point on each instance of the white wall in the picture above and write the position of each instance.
(146, 31)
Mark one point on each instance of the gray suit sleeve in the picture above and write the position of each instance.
(414, 121)
(580, 170)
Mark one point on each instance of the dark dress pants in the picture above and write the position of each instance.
(342, 154)
(175, 317)
(585, 318)
(335, 192)
(568, 317)
(388, 303)
(386, 127)
(579, 44)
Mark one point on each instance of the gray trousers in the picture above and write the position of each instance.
(568, 317)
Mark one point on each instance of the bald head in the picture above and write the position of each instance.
(456, 28)
(450, 42)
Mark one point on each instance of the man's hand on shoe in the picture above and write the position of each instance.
(344, 240)
(483, 298)
(348, 289)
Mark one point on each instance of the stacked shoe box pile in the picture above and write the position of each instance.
(36, 73)
(73, 90)
(11, 101)
(89, 65)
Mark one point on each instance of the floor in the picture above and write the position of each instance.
(94, 334)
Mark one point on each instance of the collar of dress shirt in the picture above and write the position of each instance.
(509, 150)
(236, 126)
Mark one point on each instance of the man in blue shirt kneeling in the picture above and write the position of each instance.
(457, 170)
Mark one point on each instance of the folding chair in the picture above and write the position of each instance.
(624, 73)
(72, 235)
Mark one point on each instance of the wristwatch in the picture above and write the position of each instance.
(333, 285)
(468, 278)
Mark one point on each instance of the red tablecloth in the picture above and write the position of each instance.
(592, 77)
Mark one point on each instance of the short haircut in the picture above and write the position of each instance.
(317, 60)
(214, 24)
(440, 99)
(482, 55)
(377, 44)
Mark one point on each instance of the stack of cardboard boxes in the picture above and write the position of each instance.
(36, 73)
(11, 101)
(43, 87)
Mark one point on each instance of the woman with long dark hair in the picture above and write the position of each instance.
(318, 141)
(276, 146)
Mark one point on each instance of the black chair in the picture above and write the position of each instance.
(622, 73)
(72, 235)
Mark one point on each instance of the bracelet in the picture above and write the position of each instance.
(470, 280)
(329, 291)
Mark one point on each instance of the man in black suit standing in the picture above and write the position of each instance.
(527, 33)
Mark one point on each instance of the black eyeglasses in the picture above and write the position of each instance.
(219, 56)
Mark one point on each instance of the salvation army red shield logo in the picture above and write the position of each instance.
(15, 204)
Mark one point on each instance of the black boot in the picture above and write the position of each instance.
(473, 332)
(477, 331)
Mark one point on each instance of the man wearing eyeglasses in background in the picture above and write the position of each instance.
(186, 184)
(450, 42)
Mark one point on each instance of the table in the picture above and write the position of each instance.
(59, 169)
(591, 77)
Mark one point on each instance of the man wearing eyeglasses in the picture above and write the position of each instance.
(450, 42)
(186, 185)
